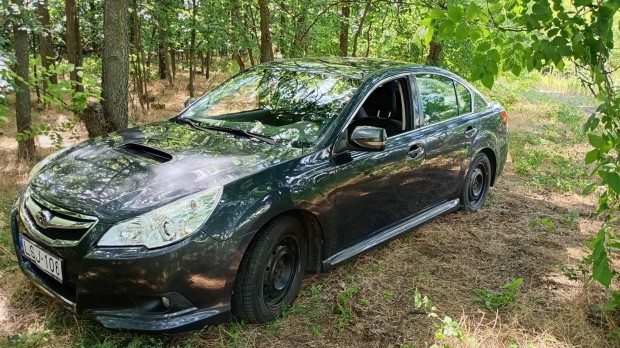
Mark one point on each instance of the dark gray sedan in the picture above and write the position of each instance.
(289, 167)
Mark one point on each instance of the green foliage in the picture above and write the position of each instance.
(499, 299)
(543, 224)
(344, 306)
(446, 328)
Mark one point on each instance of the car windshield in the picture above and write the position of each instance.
(291, 106)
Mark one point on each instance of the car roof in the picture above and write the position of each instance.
(355, 68)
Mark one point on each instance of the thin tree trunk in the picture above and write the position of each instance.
(161, 51)
(25, 148)
(344, 30)
(368, 39)
(251, 56)
(201, 56)
(35, 72)
(266, 48)
(208, 72)
(139, 83)
(115, 77)
(238, 59)
(168, 61)
(434, 53)
(359, 28)
(192, 51)
(172, 66)
(45, 44)
(74, 47)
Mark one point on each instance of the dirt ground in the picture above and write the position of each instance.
(370, 302)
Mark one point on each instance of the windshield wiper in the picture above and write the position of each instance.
(231, 130)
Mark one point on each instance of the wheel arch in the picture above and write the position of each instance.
(493, 159)
(314, 231)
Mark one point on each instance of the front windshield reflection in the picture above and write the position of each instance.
(288, 104)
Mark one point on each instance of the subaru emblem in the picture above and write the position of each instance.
(44, 217)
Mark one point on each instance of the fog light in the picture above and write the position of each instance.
(165, 302)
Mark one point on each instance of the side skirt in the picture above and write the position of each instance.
(389, 234)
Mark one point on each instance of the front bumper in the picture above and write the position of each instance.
(181, 287)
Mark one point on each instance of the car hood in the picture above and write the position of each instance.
(141, 168)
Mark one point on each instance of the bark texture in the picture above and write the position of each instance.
(344, 30)
(45, 42)
(25, 149)
(266, 48)
(74, 47)
(115, 77)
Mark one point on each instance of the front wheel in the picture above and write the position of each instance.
(477, 184)
(270, 274)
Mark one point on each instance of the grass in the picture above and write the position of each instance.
(533, 228)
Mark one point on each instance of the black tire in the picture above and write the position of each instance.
(271, 272)
(477, 184)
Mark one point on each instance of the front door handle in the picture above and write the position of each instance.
(470, 132)
(416, 151)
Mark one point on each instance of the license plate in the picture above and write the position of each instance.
(48, 263)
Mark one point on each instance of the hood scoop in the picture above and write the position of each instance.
(138, 150)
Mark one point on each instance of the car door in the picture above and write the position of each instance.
(378, 189)
(447, 115)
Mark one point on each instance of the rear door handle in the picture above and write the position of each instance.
(416, 151)
(470, 132)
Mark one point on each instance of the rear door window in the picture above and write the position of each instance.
(464, 98)
(479, 102)
(438, 97)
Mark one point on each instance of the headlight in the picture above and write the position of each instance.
(37, 167)
(165, 225)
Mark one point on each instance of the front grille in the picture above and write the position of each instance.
(58, 233)
(56, 225)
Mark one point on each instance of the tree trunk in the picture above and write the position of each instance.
(208, 72)
(35, 73)
(74, 48)
(168, 63)
(25, 148)
(238, 59)
(45, 43)
(192, 51)
(359, 28)
(344, 30)
(161, 51)
(115, 77)
(136, 40)
(266, 48)
(434, 53)
(173, 64)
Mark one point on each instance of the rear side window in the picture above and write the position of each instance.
(479, 102)
(438, 98)
(464, 98)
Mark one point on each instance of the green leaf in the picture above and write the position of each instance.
(436, 13)
(446, 28)
(472, 11)
(429, 36)
(596, 141)
(494, 55)
(592, 156)
(488, 80)
(600, 260)
(462, 31)
(455, 12)
(579, 3)
(483, 46)
(613, 181)
(589, 188)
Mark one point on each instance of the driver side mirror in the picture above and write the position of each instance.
(189, 101)
(368, 138)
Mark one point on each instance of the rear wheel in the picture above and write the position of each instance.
(477, 184)
(271, 272)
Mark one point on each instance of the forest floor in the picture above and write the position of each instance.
(535, 227)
